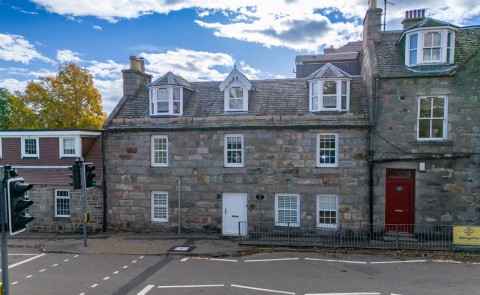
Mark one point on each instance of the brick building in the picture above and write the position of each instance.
(42, 158)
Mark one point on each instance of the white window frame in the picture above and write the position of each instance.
(447, 51)
(62, 147)
(59, 197)
(153, 91)
(335, 149)
(153, 150)
(332, 200)
(227, 98)
(316, 102)
(431, 118)
(37, 146)
(277, 209)
(241, 150)
(163, 206)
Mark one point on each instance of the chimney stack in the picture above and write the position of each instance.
(372, 22)
(135, 77)
(329, 50)
(412, 17)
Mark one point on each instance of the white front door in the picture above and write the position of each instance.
(234, 211)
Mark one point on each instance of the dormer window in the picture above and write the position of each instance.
(236, 99)
(235, 88)
(167, 95)
(166, 101)
(329, 95)
(429, 47)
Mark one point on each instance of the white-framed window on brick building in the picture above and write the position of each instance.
(287, 210)
(62, 203)
(432, 118)
(159, 206)
(327, 150)
(159, 151)
(30, 147)
(234, 150)
(327, 211)
(69, 147)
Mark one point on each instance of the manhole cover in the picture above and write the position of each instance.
(181, 249)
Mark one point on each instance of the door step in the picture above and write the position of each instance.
(402, 237)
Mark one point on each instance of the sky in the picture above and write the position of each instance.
(198, 40)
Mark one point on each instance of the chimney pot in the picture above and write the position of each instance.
(373, 3)
(412, 17)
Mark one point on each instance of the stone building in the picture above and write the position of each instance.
(42, 158)
(205, 155)
(423, 82)
(383, 130)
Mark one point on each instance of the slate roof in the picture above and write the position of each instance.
(391, 56)
(277, 98)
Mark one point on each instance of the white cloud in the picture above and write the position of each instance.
(295, 24)
(16, 48)
(13, 85)
(191, 65)
(97, 28)
(106, 70)
(67, 56)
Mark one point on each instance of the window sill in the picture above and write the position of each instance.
(331, 112)
(433, 143)
(58, 218)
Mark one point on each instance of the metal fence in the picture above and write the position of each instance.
(384, 236)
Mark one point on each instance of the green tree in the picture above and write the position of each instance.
(67, 100)
(5, 108)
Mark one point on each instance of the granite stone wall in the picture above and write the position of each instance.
(448, 192)
(276, 161)
(43, 210)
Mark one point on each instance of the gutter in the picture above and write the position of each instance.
(370, 154)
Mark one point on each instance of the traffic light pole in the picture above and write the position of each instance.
(3, 218)
(84, 201)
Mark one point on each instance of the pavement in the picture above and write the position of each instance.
(157, 243)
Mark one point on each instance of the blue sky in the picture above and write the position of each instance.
(200, 40)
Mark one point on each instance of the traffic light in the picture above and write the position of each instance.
(75, 176)
(17, 203)
(89, 175)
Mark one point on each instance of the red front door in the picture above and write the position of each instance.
(399, 203)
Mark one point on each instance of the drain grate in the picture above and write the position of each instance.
(181, 249)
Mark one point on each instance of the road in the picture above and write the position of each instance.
(265, 273)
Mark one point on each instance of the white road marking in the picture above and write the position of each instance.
(29, 276)
(260, 289)
(333, 260)
(82, 294)
(94, 285)
(184, 259)
(190, 286)
(115, 272)
(26, 260)
(66, 260)
(145, 290)
(106, 278)
(56, 264)
(141, 257)
(447, 261)
(267, 260)
(76, 256)
(125, 266)
(21, 254)
(214, 259)
(134, 261)
(397, 261)
(375, 293)
(42, 270)
(14, 283)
